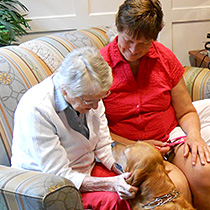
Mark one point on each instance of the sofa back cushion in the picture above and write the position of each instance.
(52, 49)
(20, 69)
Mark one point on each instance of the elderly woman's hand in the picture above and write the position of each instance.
(124, 190)
(113, 184)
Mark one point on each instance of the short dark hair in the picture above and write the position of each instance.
(140, 18)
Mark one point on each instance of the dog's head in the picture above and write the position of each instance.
(141, 160)
(148, 173)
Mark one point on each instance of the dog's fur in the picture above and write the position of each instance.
(146, 164)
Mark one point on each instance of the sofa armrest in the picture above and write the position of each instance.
(23, 189)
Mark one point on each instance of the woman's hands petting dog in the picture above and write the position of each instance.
(124, 190)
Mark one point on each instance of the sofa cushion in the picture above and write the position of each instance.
(20, 69)
(22, 189)
(197, 81)
(53, 48)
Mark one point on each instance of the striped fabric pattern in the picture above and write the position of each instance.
(53, 48)
(198, 82)
(20, 69)
(30, 190)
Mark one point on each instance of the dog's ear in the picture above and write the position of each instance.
(137, 177)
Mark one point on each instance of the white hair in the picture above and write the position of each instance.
(84, 72)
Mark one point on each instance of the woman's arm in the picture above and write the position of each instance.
(121, 139)
(189, 121)
(161, 146)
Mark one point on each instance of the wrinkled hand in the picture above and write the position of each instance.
(197, 146)
(124, 190)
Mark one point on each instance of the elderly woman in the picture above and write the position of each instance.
(60, 127)
(149, 99)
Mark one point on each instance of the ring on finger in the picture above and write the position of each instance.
(205, 148)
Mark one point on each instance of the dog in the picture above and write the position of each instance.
(148, 173)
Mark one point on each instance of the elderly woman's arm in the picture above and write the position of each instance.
(189, 121)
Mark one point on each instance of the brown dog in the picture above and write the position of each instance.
(156, 190)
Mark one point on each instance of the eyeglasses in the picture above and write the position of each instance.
(94, 101)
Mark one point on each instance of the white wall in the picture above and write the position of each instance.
(186, 21)
(50, 15)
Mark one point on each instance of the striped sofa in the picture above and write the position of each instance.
(197, 81)
(25, 65)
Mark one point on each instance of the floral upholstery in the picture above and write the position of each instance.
(19, 70)
(21, 67)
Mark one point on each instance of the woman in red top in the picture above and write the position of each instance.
(149, 99)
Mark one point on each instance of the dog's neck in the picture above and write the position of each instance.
(152, 188)
(161, 200)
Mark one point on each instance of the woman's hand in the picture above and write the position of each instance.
(113, 184)
(124, 190)
(197, 146)
(161, 146)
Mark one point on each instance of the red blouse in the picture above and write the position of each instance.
(141, 108)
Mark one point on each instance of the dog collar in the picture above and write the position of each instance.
(159, 201)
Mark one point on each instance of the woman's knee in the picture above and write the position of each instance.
(199, 178)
